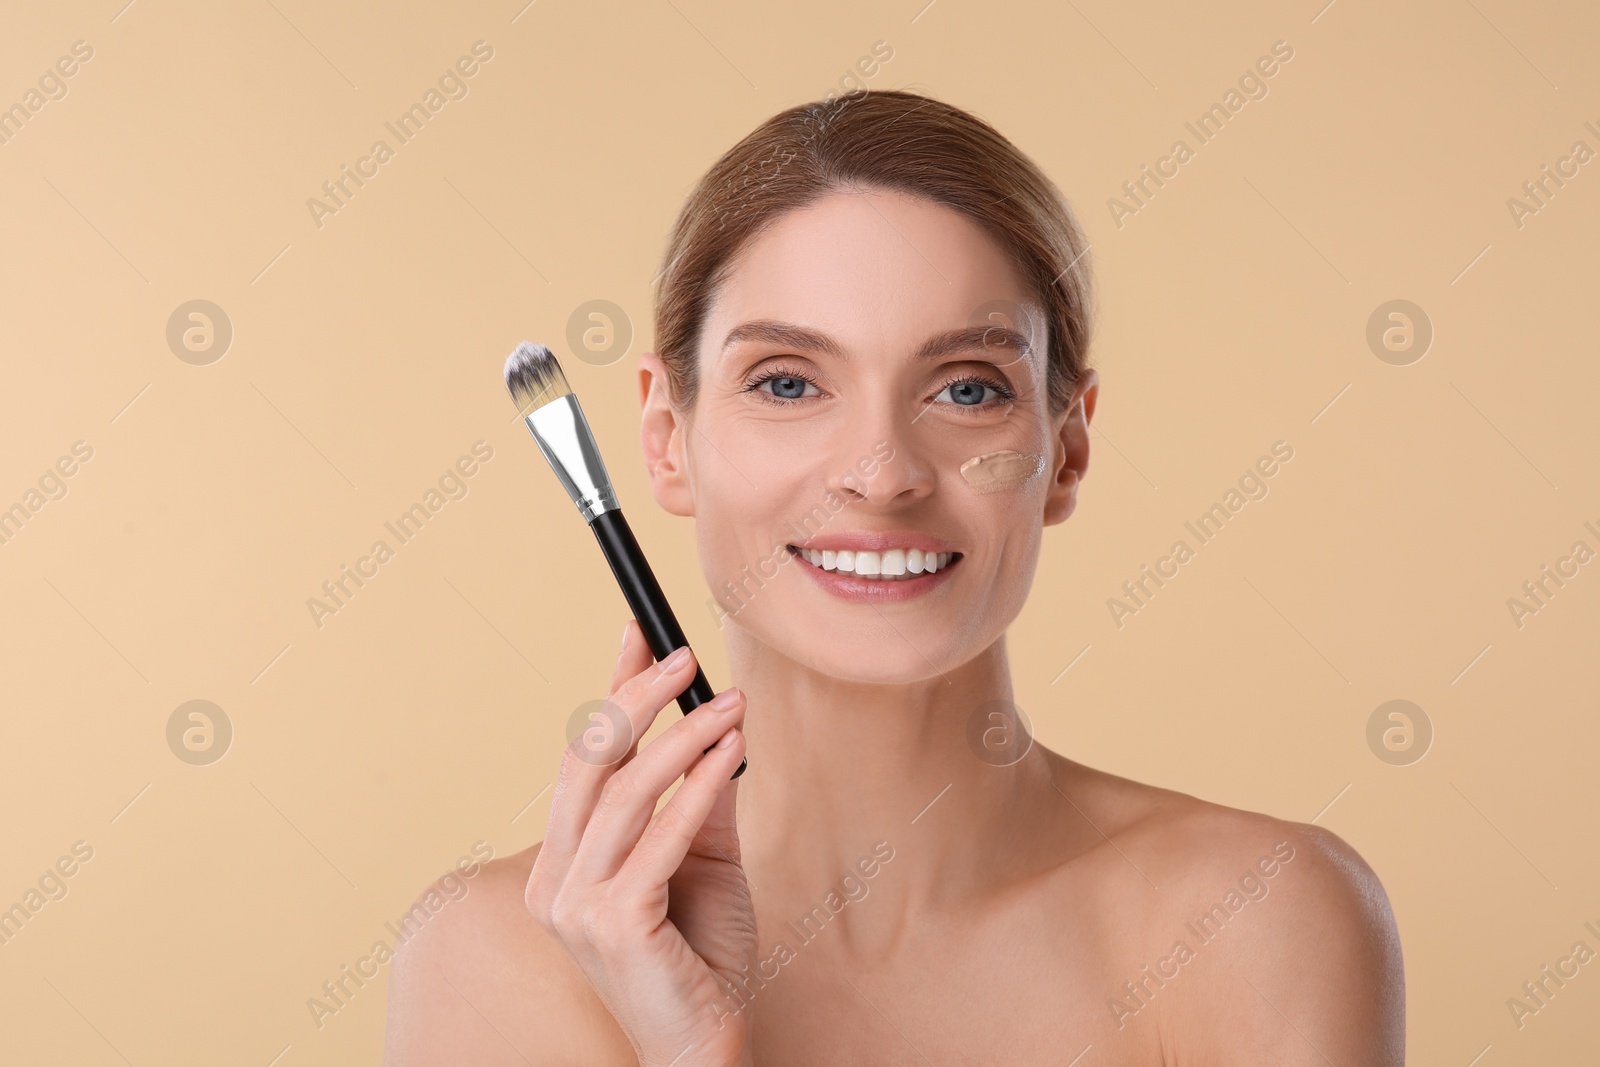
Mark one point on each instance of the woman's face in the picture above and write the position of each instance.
(861, 351)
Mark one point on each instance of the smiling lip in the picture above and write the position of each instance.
(874, 590)
(871, 541)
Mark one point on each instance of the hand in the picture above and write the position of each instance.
(657, 913)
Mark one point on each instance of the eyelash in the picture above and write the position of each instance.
(1005, 394)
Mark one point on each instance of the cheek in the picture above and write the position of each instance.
(1002, 471)
(1006, 541)
(741, 515)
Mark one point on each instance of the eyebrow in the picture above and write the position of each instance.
(792, 335)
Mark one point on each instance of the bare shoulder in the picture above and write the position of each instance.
(1287, 929)
(476, 980)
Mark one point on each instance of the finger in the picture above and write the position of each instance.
(577, 790)
(585, 771)
(640, 700)
(630, 797)
(609, 738)
(633, 657)
(719, 832)
(683, 822)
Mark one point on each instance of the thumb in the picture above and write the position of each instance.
(718, 836)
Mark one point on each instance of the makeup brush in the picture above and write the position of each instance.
(551, 410)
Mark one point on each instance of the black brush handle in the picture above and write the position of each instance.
(649, 603)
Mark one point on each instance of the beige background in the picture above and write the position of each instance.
(369, 754)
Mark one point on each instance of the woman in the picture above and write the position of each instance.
(871, 392)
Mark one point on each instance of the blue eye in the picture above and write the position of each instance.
(785, 387)
(780, 386)
(971, 393)
(967, 394)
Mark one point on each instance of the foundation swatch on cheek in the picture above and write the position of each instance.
(993, 472)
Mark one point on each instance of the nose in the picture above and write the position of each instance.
(877, 461)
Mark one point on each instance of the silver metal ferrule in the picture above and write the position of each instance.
(563, 436)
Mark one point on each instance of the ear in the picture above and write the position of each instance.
(1072, 451)
(662, 438)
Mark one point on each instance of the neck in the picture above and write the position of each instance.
(836, 767)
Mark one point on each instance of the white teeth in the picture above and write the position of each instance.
(893, 564)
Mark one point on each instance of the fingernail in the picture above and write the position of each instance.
(725, 700)
(627, 632)
(727, 738)
(679, 656)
